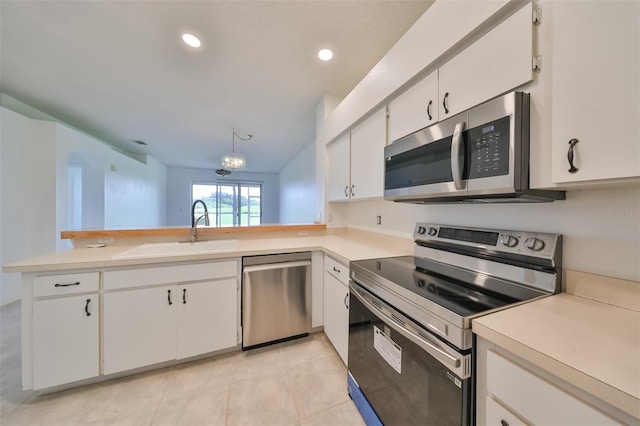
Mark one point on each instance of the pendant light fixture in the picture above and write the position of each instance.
(233, 161)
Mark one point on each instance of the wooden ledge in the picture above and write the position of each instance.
(164, 232)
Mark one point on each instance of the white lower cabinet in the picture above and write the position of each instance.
(510, 393)
(66, 345)
(139, 328)
(499, 415)
(336, 306)
(152, 316)
(206, 317)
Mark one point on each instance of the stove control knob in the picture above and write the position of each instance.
(534, 244)
(433, 231)
(509, 240)
(421, 230)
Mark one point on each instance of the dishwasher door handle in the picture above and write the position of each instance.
(270, 266)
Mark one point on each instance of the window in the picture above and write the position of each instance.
(229, 204)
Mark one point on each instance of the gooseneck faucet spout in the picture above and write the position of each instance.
(194, 221)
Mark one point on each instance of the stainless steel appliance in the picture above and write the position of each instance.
(481, 155)
(410, 339)
(276, 298)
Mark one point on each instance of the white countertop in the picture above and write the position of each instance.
(591, 344)
(343, 247)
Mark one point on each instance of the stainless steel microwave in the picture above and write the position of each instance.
(481, 155)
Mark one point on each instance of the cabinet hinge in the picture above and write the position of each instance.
(537, 15)
(536, 63)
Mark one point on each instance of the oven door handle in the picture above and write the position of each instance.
(436, 352)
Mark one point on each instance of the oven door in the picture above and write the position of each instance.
(400, 372)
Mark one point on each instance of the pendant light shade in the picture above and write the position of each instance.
(232, 162)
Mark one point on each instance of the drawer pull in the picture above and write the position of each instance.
(184, 296)
(169, 297)
(336, 269)
(86, 308)
(503, 422)
(67, 285)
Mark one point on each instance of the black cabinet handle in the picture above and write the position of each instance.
(444, 103)
(346, 188)
(67, 285)
(503, 422)
(352, 194)
(86, 308)
(169, 297)
(184, 296)
(572, 144)
(429, 110)
(336, 269)
(346, 297)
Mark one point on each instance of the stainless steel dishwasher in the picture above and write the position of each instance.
(276, 298)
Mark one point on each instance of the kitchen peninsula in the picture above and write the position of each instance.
(112, 293)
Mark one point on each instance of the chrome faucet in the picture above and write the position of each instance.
(194, 221)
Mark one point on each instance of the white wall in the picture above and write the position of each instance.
(298, 188)
(28, 187)
(34, 157)
(601, 228)
(179, 181)
(135, 196)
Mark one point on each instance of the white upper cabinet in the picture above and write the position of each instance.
(415, 109)
(339, 166)
(356, 161)
(595, 90)
(367, 157)
(498, 62)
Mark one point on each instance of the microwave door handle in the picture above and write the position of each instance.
(439, 354)
(456, 166)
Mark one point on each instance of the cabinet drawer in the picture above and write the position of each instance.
(498, 415)
(53, 285)
(139, 277)
(337, 269)
(536, 399)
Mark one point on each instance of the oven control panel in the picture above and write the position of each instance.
(531, 244)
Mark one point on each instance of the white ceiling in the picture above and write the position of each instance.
(119, 70)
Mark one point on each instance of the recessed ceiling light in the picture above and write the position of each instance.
(325, 54)
(191, 40)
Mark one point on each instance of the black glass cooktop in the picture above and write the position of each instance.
(462, 298)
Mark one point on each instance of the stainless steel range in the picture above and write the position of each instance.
(410, 317)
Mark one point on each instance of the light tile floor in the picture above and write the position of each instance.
(301, 382)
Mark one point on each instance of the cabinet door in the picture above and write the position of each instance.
(339, 157)
(139, 327)
(415, 109)
(66, 340)
(495, 64)
(596, 89)
(207, 317)
(336, 314)
(367, 157)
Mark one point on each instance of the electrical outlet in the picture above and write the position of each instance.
(379, 220)
(303, 233)
(105, 240)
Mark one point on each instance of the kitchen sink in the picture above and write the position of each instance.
(179, 248)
